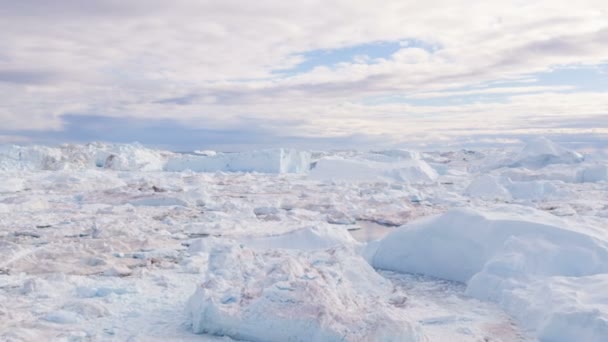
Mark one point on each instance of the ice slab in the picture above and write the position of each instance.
(123, 157)
(263, 161)
(373, 168)
(523, 259)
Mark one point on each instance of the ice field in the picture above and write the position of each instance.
(121, 242)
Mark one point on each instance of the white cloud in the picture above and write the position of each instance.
(492, 91)
(139, 58)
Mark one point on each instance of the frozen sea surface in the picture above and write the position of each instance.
(467, 245)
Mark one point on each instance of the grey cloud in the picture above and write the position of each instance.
(212, 61)
(180, 100)
(66, 8)
(26, 76)
(571, 45)
(248, 134)
(577, 121)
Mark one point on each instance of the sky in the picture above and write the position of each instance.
(332, 74)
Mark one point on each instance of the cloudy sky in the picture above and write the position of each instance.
(230, 75)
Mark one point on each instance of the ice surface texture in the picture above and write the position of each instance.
(102, 242)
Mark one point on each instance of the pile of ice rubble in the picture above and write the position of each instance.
(276, 291)
(547, 272)
(523, 231)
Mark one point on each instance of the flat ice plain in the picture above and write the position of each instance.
(106, 242)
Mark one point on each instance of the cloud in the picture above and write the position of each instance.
(493, 91)
(209, 64)
(177, 137)
(25, 77)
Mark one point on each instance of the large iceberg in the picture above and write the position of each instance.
(121, 157)
(539, 268)
(265, 161)
(541, 152)
(392, 166)
(135, 157)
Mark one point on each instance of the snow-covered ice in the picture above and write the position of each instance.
(524, 259)
(124, 242)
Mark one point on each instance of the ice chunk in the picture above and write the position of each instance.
(373, 169)
(86, 310)
(118, 271)
(593, 173)
(540, 152)
(208, 153)
(487, 187)
(507, 255)
(538, 190)
(490, 188)
(264, 161)
(125, 157)
(158, 202)
(62, 317)
(11, 184)
(309, 238)
(130, 157)
(400, 154)
(279, 295)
